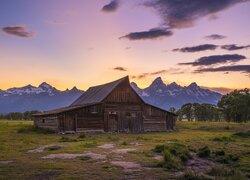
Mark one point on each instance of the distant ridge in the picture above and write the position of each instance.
(43, 97)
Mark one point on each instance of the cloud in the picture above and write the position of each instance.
(111, 7)
(232, 47)
(177, 14)
(215, 37)
(204, 47)
(155, 33)
(160, 72)
(181, 14)
(198, 48)
(221, 90)
(234, 68)
(216, 59)
(19, 31)
(119, 68)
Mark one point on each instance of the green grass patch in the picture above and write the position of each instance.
(33, 129)
(82, 135)
(226, 173)
(242, 134)
(67, 139)
(223, 139)
(191, 175)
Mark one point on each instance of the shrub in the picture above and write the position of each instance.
(159, 148)
(124, 143)
(169, 161)
(67, 139)
(178, 150)
(204, 152)
(242, 134)
(82, 135)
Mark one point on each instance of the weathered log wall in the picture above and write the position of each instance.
(48, 122)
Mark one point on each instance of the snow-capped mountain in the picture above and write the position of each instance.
(43, 97)
(46, 97)
(174, 95)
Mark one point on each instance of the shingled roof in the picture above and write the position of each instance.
(97, 94)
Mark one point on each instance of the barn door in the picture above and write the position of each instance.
(113, 121)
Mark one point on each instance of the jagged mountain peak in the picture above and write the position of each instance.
(174, 85)
(158, 83)
(45, 85)
(193, 84)
(74, 89)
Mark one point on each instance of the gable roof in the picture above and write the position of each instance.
(97, 94)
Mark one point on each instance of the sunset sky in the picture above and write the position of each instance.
(88, 42)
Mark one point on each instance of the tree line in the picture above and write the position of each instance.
(234, 107)
(28, 115)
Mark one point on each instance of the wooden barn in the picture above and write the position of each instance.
(111, 107)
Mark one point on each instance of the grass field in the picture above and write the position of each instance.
(17, 138)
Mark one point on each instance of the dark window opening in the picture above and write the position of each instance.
(93, 110)
(43, 120)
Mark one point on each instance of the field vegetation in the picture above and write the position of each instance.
(196, 150)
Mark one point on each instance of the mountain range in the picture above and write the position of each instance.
(46, 97)
(173, 95)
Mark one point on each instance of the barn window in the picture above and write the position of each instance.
(93, 109)
(133, 114)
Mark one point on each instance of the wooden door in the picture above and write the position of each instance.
(113, 121)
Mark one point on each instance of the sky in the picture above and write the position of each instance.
(89, 42)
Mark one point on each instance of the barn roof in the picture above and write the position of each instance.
(60, 110)
(97, 94)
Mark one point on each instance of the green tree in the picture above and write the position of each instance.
(236, 105)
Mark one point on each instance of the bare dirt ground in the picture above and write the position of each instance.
(6, 162)
(106, 146)
(73, 156)
(124, 151)
(127, 166)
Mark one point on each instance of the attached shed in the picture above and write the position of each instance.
(111, 107)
